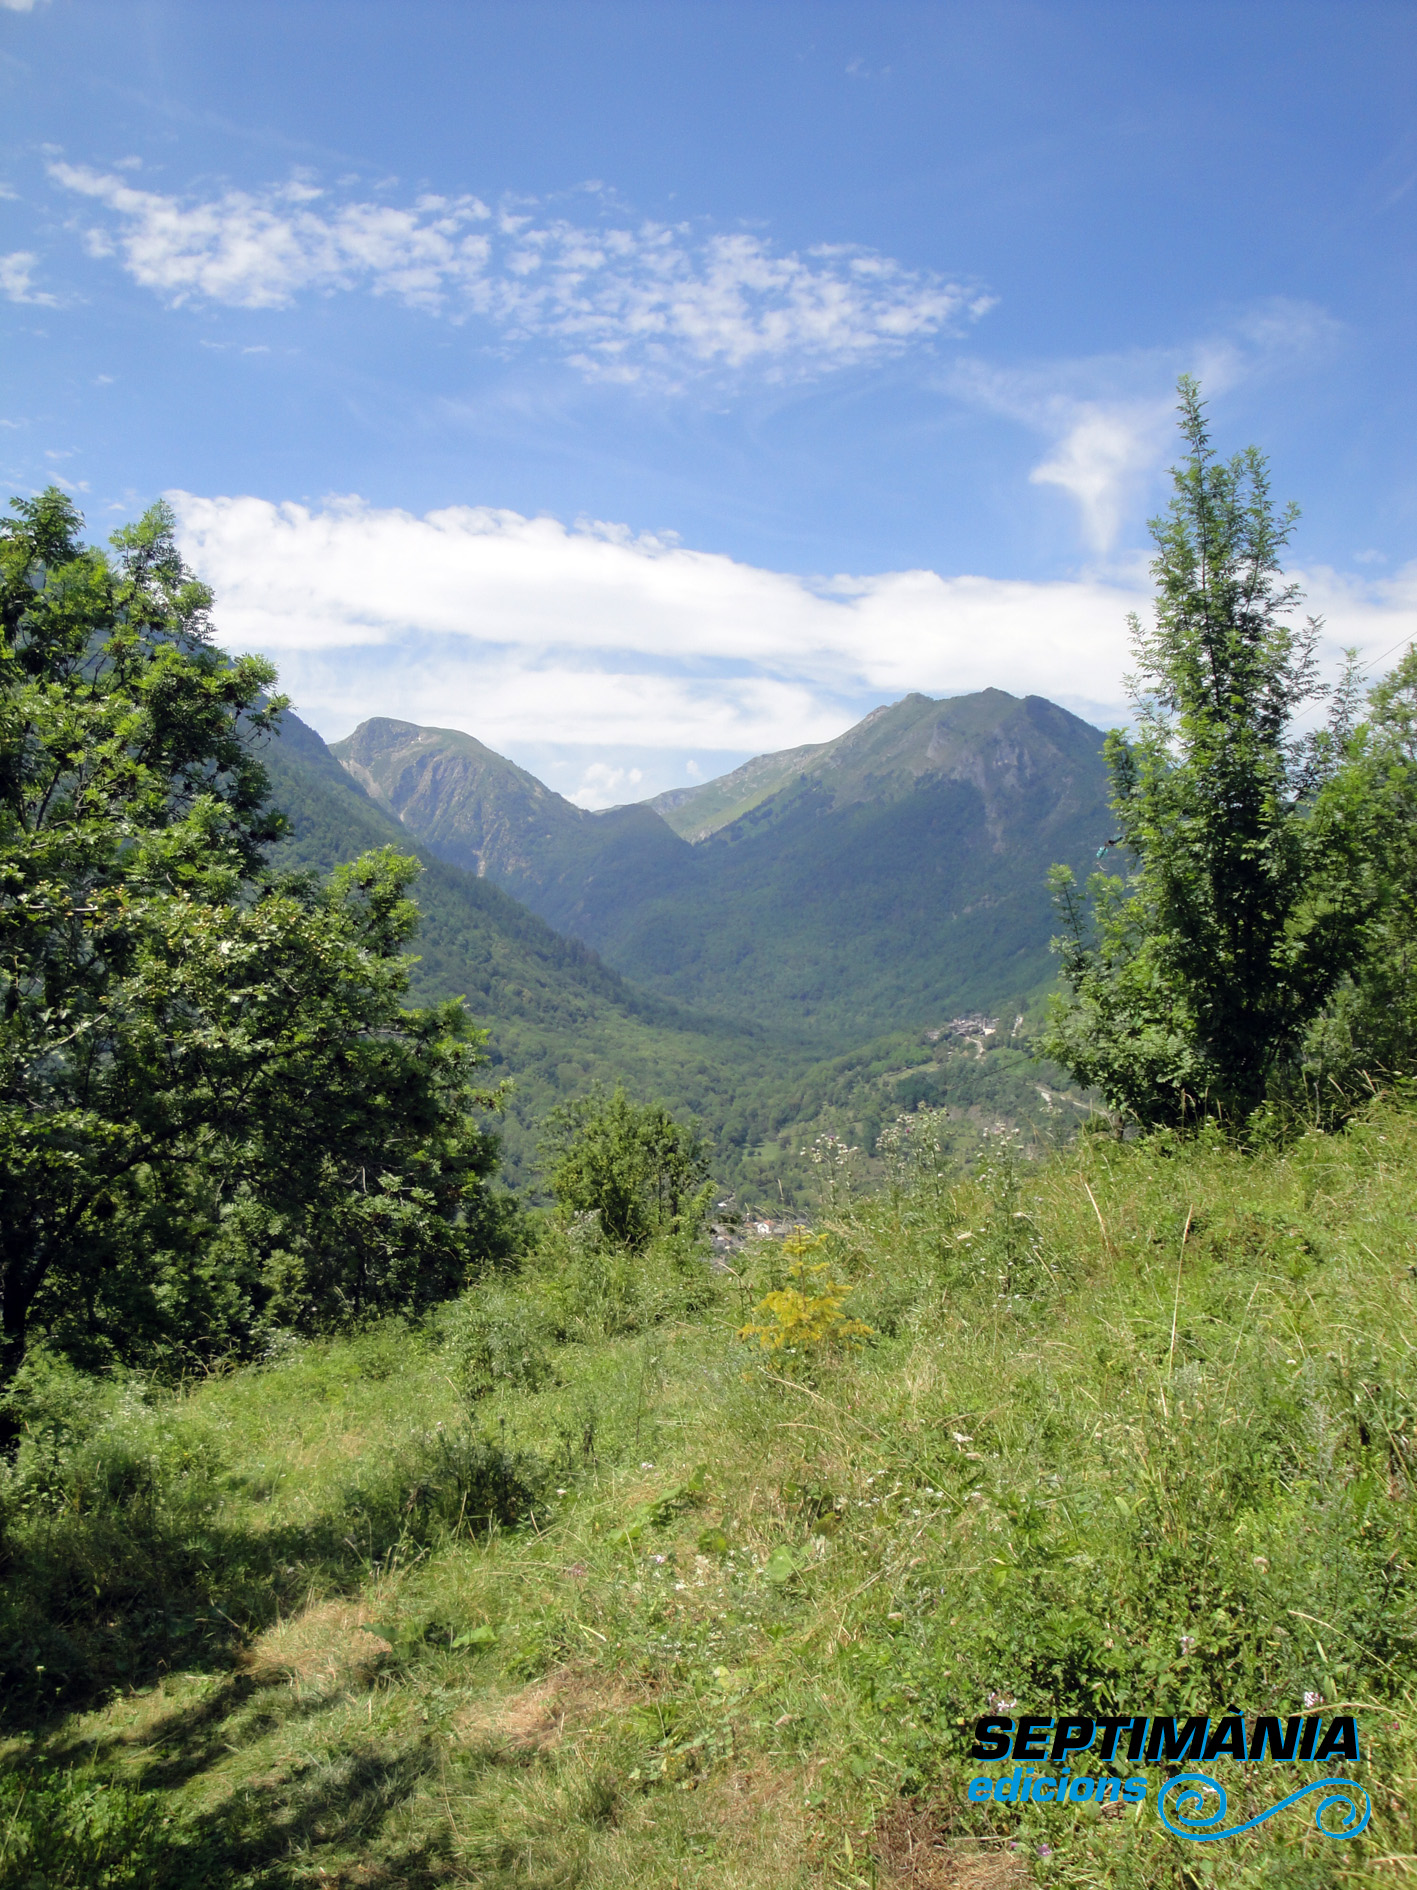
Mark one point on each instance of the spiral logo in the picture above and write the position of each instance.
(1191, 1788)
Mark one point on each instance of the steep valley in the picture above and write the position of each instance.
(892, 877)
(562, 1019)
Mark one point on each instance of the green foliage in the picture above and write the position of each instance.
(128, 798)
(71, 1831)
(591, 1288)
(454, 1480)
(214, 1110)
(1249, 892)
(648, 1618)
(497, 1339)
(1367, 1036)
(631, 1164)
(326, 1164)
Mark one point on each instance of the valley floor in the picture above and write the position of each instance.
(1132, 1429)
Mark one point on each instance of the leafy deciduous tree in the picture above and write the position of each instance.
(208, 1089)
(631, 1163)
(1368, 1032)
(1193, 975)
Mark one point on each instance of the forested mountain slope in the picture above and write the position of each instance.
(559, 1018)
(873, 883)
(480, 811)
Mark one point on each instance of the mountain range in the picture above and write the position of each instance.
(871, 883)
(784, 951)
(559, 1019)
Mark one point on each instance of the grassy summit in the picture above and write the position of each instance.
(577, 1585)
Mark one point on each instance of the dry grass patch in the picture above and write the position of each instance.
(537, 1717)
(914, 1852)
(327, 1641)
(755, 1812)
(738, 1829)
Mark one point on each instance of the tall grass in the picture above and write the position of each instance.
(574, 1584)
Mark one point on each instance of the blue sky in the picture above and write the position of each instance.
(643, 387)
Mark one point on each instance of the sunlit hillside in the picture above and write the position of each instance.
(576, 1584)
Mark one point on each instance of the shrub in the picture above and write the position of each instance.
(447, 1484)
(806, 1318)
(632, 1164)
(69, 1830)
(496, 1339)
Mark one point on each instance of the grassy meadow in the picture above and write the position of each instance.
(576, 1585)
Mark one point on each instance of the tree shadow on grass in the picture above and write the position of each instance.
(333, 1815)
(344, 1814)
(194, 1736)
(117, 1595)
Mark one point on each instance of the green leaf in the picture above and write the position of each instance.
(780, 1565)
(483, 1636)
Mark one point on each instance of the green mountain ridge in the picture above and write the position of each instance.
(878, 882)
(696, 812)
(561, 1020)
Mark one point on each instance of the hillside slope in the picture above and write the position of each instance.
(559, 1018)
(658, 1606)
(481, 812)
(874, 883)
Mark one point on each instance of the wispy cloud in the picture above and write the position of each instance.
(17, 278)
(602, 784)
(1097, 460)
(620, 299)
(532, 635)
(1110, 420)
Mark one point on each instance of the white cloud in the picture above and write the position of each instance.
(619, 299)
(1104, 437)
(17, 280)
(605, 785)
(612, 651)
(1110, 420)
(18, 6)
(644, 634)
(1376, 616)
(1098, 459)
